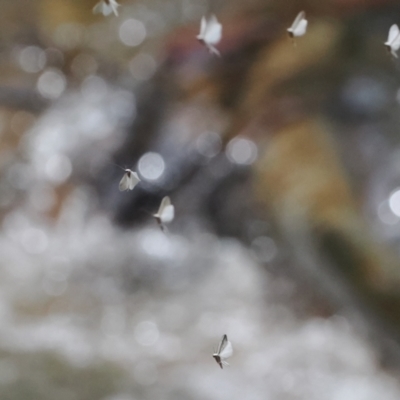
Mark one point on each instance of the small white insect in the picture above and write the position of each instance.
(129, 180)
(106, 7)
(299, 25)
(165, 213)
(210, 34)
(393, 41)
(224, 351)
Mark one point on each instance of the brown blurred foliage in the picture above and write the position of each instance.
(273, 92)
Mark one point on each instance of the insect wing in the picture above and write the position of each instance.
(217, 358)
(393, 33)
(224, 351)
(129, 180)
(114, 5)
(395, 45)
(168, 214)
(124, 182)
(300, 16)
(133, 180)
(102, 8)
(301, 28)
(98, 8)
(166, 201)
(203, 27)
(227, 351)
(213, 32)
(222, 344)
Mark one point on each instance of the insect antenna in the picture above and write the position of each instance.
(116, 165)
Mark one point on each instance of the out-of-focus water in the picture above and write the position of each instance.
(140, 311)
(91, 311)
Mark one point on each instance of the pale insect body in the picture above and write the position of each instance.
(225, 350)
(165, 213)
(129, 180)
(106, 7)
(393, 41)
(210, 33)
(299, 25)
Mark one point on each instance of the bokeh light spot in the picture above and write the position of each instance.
(241, 151)
(32, 59)
(151, 166)
(146, 333)
(34, 240)
(132, 32)
(58, 168)
(51, 84)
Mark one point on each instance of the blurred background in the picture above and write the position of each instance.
(282, 161)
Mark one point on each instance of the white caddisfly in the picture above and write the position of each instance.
(210, 33)
(165, 213)
(224, 351)
(106, 7)
(393, 41)
(299, 25)
(129, 180)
